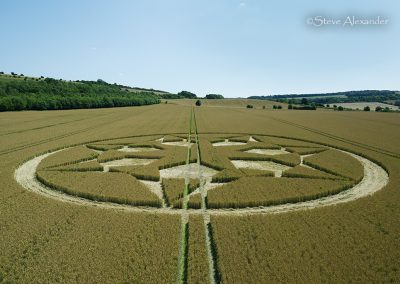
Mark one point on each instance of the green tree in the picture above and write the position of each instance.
(21, 94)
(198, 103)
(187, 95)
(214, 96)
(304, 101)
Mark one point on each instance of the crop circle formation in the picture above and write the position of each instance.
(222, 174)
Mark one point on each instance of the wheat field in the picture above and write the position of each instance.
(98, 237)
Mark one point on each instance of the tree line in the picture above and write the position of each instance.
(339, 97)
(51, 94)
(190, 95)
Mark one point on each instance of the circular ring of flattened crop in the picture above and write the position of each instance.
(254, 157)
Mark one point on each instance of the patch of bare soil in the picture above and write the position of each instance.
(126, 162)
(261, 165)
(137, 149)
(206, 186)
(226, 142)
(189, 171)
(251, 139)
(183, 143)
(268, 151)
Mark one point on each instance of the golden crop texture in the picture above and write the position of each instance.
(112, 187)
(265, 191)
(47, 240)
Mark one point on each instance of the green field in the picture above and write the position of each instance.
(172, 193)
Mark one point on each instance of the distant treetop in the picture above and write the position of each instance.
(214, 96)
(187, 95)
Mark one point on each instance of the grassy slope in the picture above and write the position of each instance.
(28, 93)
(130, 89)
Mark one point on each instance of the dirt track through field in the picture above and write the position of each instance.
(185, 173)
(206, 217)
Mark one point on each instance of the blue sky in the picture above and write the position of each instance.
(236, 48)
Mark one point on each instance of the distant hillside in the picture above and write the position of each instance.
(384, 96)
(18, 92)
(137, 89)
